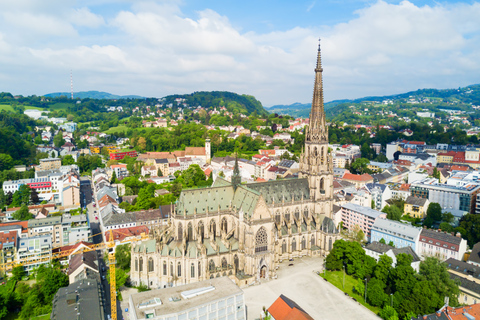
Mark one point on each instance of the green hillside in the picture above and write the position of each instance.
(91, 95)
(235, 103)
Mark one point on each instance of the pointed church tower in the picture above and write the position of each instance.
(236, 177)
(315, 162)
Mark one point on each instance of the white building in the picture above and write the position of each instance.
(218, 298)
(377, 249)
(441, 245)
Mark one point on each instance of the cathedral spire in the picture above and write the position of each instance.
(236, 178)
(317, 114)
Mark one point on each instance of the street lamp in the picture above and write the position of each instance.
(324, 268)
(365, 290)
(391, 298)
(344, 276)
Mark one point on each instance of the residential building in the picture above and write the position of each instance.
(121, 155)
(416, 207)
(468, 277)
(284, 309)
(358, 180)
(149, 170)
(457, 200)
(83, 299)
(401, 234)
(120, 170)
(474, 257)
(364, 217)
(216, 298)
(51, 227)
(34, 251)
(83, 265)
(69, 126)
(379, 166)
(380, 193)
(49, 164)
(377, 249)
(442, 245)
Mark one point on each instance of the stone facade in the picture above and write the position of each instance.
(244, 230)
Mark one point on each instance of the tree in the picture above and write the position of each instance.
(435, 272)
(114, 177)
(18, 273)
(375, 292)
(6, 161)
(142, 143)
(360, 166)
(391, 243)
(383, 268)
(393, 212)
(159, 173)
(128, 191)
(58, 140)
(21, 196)
(34, 199)
(447, 227)
(434, 214)
(22, 214)
(448, 217)
(70, 117)
(68, 160)
(388, 313)
(123, 256)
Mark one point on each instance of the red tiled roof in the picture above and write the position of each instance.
(24, 225)
(404, 187)
(207, 172)
(260, 180)
(121, 234)
(449, 153)
(286, 309)
(459, 168)
(357, 177)
(195, 151)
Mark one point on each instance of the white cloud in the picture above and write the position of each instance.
(154, 49)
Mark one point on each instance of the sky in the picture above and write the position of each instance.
(263, 48)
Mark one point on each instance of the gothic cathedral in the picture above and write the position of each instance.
(244, 231)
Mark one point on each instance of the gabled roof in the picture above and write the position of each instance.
(283, 308)
(88, 258)
(357, 177)
(416, 201)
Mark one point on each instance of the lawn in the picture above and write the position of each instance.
(8, 107)
(42, 317)
(120, 128)
(61, 105)
(336, 278)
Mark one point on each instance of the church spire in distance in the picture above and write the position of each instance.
(318, 127)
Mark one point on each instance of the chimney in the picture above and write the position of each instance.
(459, 235)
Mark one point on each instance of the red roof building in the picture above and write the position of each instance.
(123, 233)
(286, 309)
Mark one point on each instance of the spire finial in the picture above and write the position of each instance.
(319, 40)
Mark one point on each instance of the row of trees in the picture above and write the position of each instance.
(37, 299)
(409, 293)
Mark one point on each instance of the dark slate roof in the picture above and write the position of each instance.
(378, 247)
(279, 190)
(161, 160)
(416, 201)
(463, 267)
(447, 237)
(475, 255)
(81, 300)
(466, 283)
(113, 218)
(406, 250)
(381, 176)
(88, 258)
(336, 208)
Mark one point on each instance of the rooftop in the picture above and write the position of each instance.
(182, 298)
(363, 210)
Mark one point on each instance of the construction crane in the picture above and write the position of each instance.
(109, 245)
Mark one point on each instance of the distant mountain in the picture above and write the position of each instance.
(234, 102)
(92, 95)
(301, 109)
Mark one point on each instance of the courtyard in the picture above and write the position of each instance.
(320, 299)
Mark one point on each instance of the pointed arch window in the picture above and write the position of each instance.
(190, 232)
(224, 263)
(192, 271)
(140, 264)
(322, 186)
(312, 241)
(164, 268)
(150, 265)
(180, 232)
(261, 240)
(136, 264)
(179, 269)
(199, 269)
(294, 245)
(297, 214)
(224, 225)
(284, 246)
(201, 230)
(303, 243)
(211, 266)
(171, 269)
(213, 228)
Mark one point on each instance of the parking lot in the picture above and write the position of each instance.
(300, 283)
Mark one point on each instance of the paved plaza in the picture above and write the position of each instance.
(317, 297)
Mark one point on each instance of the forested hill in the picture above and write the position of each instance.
(91, 95)
(301, 109)
(235, 103)
(454, 98)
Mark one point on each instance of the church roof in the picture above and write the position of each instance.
(203, 199)
(246, 200)
(279, 190)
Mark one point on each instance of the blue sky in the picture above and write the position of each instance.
(264, 48)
